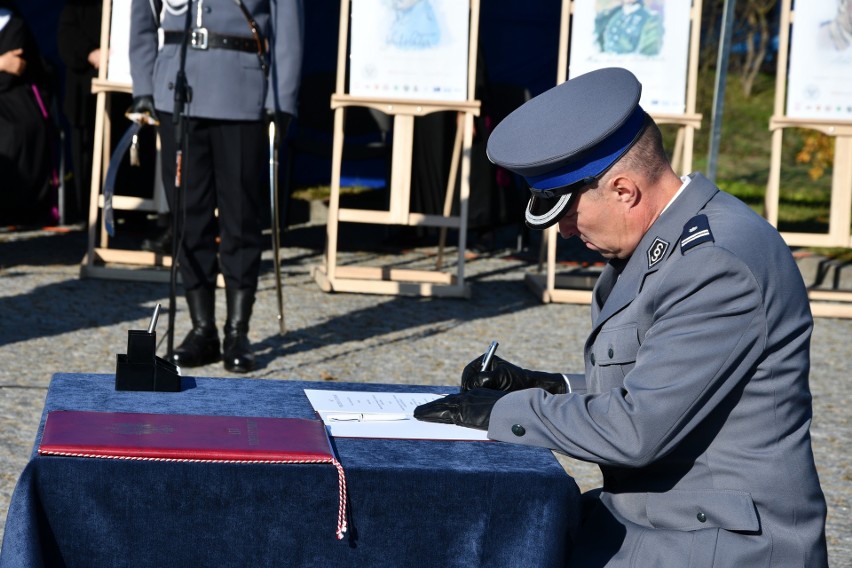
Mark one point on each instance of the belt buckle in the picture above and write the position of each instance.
(198, 39)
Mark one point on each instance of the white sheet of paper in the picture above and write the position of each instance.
(337, 402)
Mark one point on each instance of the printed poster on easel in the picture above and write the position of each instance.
(409, 49)
(650, 38)
(118, 66)
(819, 83)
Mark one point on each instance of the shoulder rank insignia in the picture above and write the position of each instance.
(695, 232)
(657, 251)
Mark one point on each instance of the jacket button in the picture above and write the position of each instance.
(610, 353)
(702, 518)
(592, 357)
(518, 430)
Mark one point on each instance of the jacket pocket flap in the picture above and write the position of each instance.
(616, 346)
(695, 510)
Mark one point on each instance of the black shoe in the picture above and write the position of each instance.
(200, 347)
(238, 355)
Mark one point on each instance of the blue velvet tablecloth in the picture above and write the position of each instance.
(411, 503)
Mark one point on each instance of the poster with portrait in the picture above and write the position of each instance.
(648, 37)
(409, 49)
(118, 64)
(819, 82)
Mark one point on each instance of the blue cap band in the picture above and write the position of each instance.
(568, 137)
(590, 164)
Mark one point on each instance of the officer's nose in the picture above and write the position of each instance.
(568, 226)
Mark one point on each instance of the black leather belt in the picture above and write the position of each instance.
(202, 39)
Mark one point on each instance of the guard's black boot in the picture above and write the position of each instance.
(238, 355)
(201, 344)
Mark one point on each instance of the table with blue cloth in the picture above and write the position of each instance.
(410, 502)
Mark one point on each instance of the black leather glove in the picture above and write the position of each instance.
(471, 409)
(504, 376)
(142, 110)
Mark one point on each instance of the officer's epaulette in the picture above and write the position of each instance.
(695, 232)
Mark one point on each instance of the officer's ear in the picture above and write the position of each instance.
(625, 190)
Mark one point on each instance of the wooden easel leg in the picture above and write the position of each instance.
(465, 195)
(542, 250)
(773, 186)
(95, 190)
(107, 149)
(551, 262)
(400, 185)
(677, 154)
(688, 148)
(841, 196)
(451, 189)
(334, 201)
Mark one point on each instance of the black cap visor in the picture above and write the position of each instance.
(543, 212)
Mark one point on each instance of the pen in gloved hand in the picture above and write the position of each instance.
(486, 361)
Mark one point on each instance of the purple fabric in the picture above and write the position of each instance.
(412, 503)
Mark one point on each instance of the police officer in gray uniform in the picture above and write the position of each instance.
(695, 400)
(243, 63)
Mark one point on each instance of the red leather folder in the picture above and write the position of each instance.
(185, 437)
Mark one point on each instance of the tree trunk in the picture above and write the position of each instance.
(758, 40)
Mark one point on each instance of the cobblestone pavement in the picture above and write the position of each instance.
(51, 321)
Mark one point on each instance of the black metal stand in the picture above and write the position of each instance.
(183, 95)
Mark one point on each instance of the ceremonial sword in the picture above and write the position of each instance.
(112, 174)
(274, 137)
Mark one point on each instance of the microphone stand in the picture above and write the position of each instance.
(183, 95)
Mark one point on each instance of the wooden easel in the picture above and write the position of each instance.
(95, 263)
(552, 289)
(824, 303)
(384, 280)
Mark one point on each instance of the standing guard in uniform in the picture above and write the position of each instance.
(695, 400)
(243, 64)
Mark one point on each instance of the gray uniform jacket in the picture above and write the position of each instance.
(226, 84)
(696, 404)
